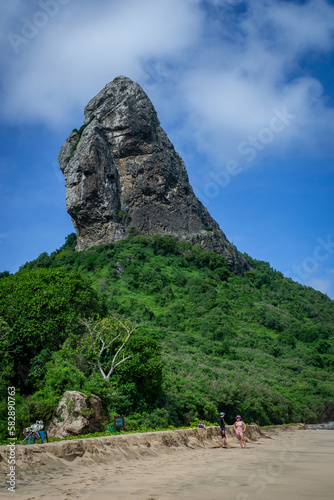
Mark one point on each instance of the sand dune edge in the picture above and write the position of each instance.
(108, 449)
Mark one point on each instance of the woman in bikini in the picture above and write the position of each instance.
(240, 427)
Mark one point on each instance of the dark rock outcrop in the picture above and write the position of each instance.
(124, 176)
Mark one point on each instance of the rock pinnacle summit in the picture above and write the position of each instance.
(123, 176)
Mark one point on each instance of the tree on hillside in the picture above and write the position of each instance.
(121, 355)
(141, 377)
(105, 344)
(4, 274)
(42, 307)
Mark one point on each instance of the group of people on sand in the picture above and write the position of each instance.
(239, 428)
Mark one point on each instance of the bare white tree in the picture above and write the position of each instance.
(105, 344)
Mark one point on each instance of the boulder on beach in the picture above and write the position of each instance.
(77, 414)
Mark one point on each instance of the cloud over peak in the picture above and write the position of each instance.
(222, 74)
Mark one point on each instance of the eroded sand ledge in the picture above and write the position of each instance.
(283, 462)
(123, 446)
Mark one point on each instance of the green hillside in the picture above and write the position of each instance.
(260, 345)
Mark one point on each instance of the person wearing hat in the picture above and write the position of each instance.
(222, 428)
(240, 427)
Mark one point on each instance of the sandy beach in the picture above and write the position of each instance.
(280, 463)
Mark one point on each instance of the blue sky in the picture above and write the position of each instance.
(244, 90)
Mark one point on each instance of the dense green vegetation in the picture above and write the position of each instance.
(260, 345)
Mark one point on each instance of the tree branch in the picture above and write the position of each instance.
(96, 336)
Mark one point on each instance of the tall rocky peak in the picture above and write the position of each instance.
(124, 176)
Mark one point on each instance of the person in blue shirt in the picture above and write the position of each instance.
(222, 428)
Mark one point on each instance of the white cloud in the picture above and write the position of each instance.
(309, 27)
(231, 96)
(80, 50)
(218, 78)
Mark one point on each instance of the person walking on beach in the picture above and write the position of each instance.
(222, 428)
(240, 427)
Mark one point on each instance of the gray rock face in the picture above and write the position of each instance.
(123, 175)
(77, 414)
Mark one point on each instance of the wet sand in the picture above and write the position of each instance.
(289, 464)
